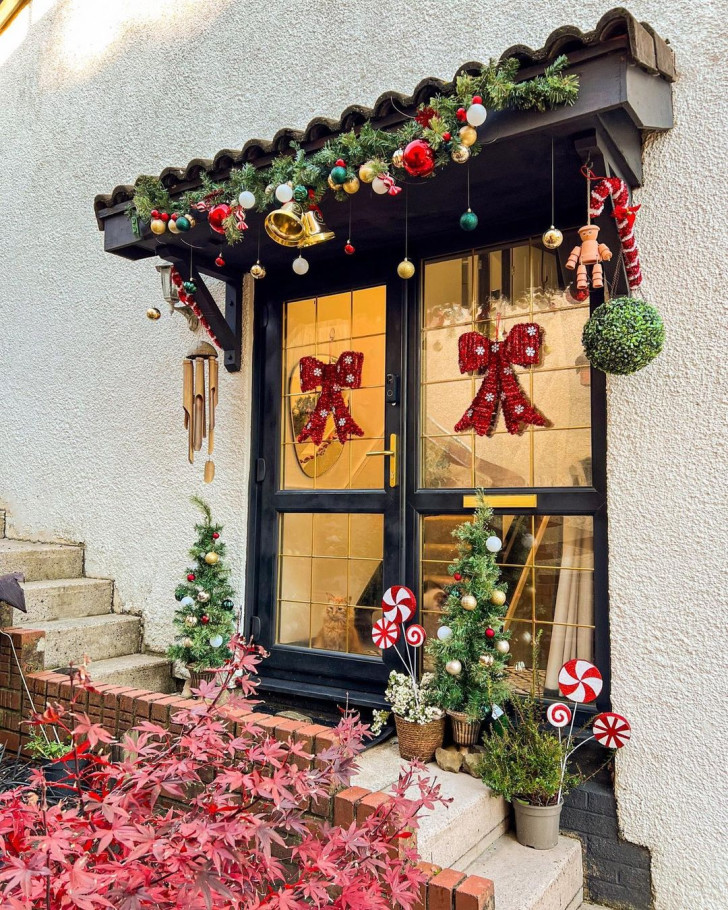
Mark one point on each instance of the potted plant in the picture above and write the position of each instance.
(419, 721)
(61, 762)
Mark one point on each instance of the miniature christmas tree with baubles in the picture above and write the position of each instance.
(205, 619)
(471, 648)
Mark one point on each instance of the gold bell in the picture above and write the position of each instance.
(285, 226)
(315, 231)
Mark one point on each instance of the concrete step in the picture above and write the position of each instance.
(143, 671)
(65, 598)
(40, 561)
(2, 523)
(99, 637)
(449, 836)
(527, 879)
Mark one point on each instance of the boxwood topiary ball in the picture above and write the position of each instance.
(623, 335)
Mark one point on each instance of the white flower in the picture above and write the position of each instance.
(337, 388)
(480, 349)
(495, 346)
(518, 409)
(531, 330)
(347, 359)
(506, 370)
(490, 397)
(317, 371)
(349, 377)
(323, 412)
(530, 351)
(342, 421)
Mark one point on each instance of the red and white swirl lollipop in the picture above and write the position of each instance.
(611, 730)
(558, 715)
(399, 604)
(385, 633)
(415, 635)
(580, 681)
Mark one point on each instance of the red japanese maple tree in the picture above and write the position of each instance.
(209, 817)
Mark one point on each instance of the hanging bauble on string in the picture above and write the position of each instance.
(552, 238)
(190, 620)
(398, 158)
(468, 220)
(219, 261)
(153, 313)
(468, 602)
(498, 598)
(216, 216)
(476, 113)
(349, 248)
(502, 646)
(284, 193)
(454, 667)
(406, 268)
(368, 171)
(300, 265)
(460, 154)
(183, 223)
(257, 270)
(468, 136)
(203, 596)
(351, 185)
(246, 199)
(212, 558)
(418, 159)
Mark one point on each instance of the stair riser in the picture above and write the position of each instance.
(154, 679)
(41, 565)
(98, 642)
(456, 844)
(66, 602)
(565, 892)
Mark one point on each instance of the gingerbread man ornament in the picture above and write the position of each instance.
(592, 253)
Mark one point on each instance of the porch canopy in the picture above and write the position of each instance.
(625, 70)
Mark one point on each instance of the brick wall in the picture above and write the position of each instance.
(118, 708)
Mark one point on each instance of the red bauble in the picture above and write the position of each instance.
(155, 213)
(457, 576)
(175, 216)
(461, 114)
(489, 633)
(191, 577)
(165, 217)
(477, 99)
(349, 249)
(340, 162)
(204, 619)
(218, 213)
(418, 159)
(446, 137)
(219, 261)
(215, 535)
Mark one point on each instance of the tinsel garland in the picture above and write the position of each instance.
(437, 122)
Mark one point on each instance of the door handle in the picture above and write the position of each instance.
(392, 453)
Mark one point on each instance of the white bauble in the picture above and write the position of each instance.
(300, 265)
(454, 667)
(379, 186)
(493, 544)
(247, 199)
(187, 601)
(476, 114)
(444, 633)
(502, 646)
(215, 641)
(284, 193)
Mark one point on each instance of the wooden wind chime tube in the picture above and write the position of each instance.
(199, 401)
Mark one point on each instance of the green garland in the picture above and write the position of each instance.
(495, 84)
(623, 335)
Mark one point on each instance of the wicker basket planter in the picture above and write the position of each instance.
(465, 732)
(198, 676)
(419, 740)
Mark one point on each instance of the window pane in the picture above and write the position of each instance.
(448, 292)
(329, 600)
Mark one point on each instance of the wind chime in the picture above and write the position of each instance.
(199, 401)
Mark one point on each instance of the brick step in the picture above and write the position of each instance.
(449, 836)
(65, 598)
(99, 637)
(40, 561)
(527, 879)
(143, 671)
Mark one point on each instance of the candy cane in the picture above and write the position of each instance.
(624, 213)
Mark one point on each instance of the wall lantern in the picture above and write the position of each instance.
(169, 292)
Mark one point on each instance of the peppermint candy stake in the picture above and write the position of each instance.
(580, 681)
(611, 730)
(558, 715)
(385, 633)
(399, 604)
(415, 635)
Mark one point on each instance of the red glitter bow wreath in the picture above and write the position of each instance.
(494, 359)
(332, 377)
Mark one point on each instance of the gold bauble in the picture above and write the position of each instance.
(367, 172)
(186, 642)
(498, 598)
(192, 220)
(454, 667)
(552, 238)
(203, 597)
(257, 270)
(460, 154)
(334, 186)
(172, 226)
(190, 620)
(405, 269)
(487, 660)
(468, 602)
(351, 185)
(212, 559)
(502, 646)
(468, 136)
(153, 313)
(158, 226)
(398, 158)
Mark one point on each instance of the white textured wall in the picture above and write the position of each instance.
(95, 92)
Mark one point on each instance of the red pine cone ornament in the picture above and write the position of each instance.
(494, 359)
(625, 215)
(332, 377)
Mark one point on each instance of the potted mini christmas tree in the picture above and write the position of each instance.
(205, 619)
(471, 649)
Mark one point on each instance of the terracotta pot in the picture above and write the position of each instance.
(419, 740)
(465, 732)
(537, 826)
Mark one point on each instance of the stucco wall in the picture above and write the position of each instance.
(95, 92)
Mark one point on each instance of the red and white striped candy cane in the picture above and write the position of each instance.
(624, 213)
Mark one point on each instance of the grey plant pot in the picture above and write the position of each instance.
(537, 826)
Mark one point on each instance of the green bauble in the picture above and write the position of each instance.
(338, 175)
(300, 193)
(189, 286)
(183, 223)
(623, 335)
(468, 220)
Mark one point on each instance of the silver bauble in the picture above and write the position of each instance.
(454, 667)
(502, 646)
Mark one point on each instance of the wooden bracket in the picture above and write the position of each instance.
(227, 327)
